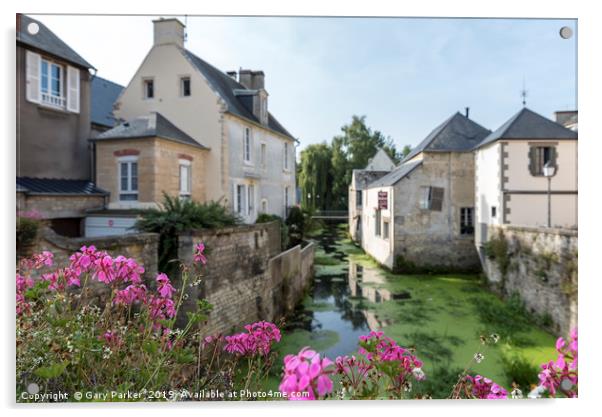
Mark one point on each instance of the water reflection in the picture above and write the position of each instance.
(339, 299)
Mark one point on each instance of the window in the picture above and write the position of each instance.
(466, 221)
(377, 224)
(358, 198)
(386, 229)
(51, 86)
(185, 179)
(240, 198)
(493, 211)
(185, 86)
(263, 155)
(264, 205)
(539, 156)
(149, 88)
(128, 180)
(247, 145)
(286, 197)
(431, 198)
(285, 155)
(250, 199)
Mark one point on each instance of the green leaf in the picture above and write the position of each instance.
(52, 371)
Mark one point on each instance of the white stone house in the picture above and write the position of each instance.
(420, 216)
(510, 186)
(250, 163)
(378, 166)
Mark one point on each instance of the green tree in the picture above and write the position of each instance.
(315, 176)
(406, 150)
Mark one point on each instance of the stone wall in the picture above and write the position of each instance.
(540, 265)
(246, 278)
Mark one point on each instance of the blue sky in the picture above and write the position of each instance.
(405, 75)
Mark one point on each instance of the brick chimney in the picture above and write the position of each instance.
(168, 32)
(245, 77)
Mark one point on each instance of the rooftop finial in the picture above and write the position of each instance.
(523, 94)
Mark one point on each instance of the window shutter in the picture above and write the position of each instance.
(533, 160)
(437, 199)
(73, 89)
(32, 76)
(553, 156)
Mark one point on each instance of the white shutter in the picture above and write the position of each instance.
(32, 74)
(73, 89)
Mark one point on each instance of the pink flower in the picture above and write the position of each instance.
(485, 388)
(111, 339)
(198, 256)
(564, 368)
(306, 375)
(22, 284)
(257, 341)
(164, 287)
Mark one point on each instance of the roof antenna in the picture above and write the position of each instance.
(523, 93)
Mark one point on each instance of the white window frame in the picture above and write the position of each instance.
(186, 165)
(285, 162)
(247, 146)
(264, 205)
(250, 199)
(146, 80)
(48, 98)
(263, 155)
(129, 190)
(182, 79)
(240, 191)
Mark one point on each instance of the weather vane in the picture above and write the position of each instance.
(523, 94)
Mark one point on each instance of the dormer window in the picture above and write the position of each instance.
(149, 88)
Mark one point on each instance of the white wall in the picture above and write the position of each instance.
(270, 178)
(379, 248)
(487, 189)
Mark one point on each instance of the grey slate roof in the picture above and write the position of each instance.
(225, 86)
(397, 174)
(526, 124)
(458, 133)
(103, 95)
(149, 126)
(31, 185)
(47, 41)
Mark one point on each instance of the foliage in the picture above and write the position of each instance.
(406, 151)
(325, 169)
(520, 371)
(27, 231)
(66, 342)
(295, 222)
(266, 218)
(497, 249)
(177, 216)
(505, 318)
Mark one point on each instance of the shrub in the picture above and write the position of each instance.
(27, 231)
(296, 226)
(497, 249)
(520, 371)
(177, 216)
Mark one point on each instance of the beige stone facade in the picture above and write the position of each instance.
(159, 163)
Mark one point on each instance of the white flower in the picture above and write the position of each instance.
(478, 357)
(418, 373)
(516, 394)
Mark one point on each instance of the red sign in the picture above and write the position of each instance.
(383, 200)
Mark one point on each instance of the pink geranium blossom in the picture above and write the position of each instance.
(562, 374)
(306, 376)
(164, 287)
(199, 256)
(485, 388)
(257, 340)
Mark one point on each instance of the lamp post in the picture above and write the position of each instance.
(548, 171)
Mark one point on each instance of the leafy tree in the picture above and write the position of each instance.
(406, 151)
(315, 176)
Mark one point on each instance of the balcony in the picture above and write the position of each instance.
(53, 101)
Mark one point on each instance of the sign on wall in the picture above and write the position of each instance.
(383, 200)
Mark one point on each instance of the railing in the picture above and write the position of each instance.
(53, 100)
(331, 214)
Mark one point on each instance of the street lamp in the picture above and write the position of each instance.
(548, 171)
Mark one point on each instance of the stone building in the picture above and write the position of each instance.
(510, 186)
(379, 165)
(53, 125)
(243, 156)
(420, 216)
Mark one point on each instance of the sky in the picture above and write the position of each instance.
(406, 75)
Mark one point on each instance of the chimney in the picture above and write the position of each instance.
(245, 77)
(563, 116)
(257, 80)
(168, 32)
(467, 109)
(232, 74)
